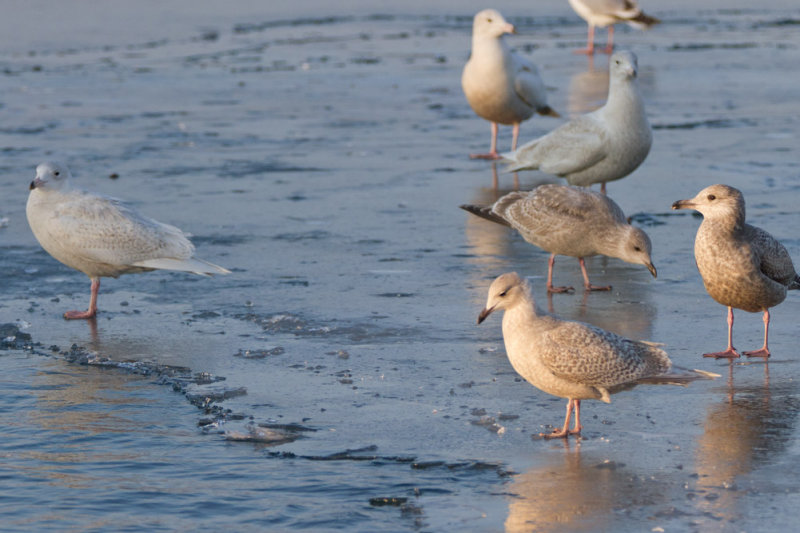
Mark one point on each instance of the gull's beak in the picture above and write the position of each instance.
(37, 182)
(652, 269)
(486, 312)
(683, 204)
(33, 185)
(511, 29)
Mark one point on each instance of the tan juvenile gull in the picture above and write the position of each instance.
(742, 266)
(601, 146)
(102, 237)
(501, 86)
(604, 13)
(573, 360)
(565, 220)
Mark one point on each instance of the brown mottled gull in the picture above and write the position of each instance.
(601, 146)
(100, 236)
(604, 13)
(501, 86)
(573, 360)
(565, 220)
(742, 266)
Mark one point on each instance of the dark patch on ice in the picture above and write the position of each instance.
(11, 338)
(313, 235)
(307, 21)
(296, 282)
(287, 323)
(222, 240)
(487, 422)
(268, 434)
(712, 123)
(395, 295)
(260, 354)
(29, 130)
(776, 23)
(693, 47)
(499, 468)
(201, 315)
(646, 219)
(390, 501)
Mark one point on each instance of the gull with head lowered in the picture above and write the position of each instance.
(572, 221)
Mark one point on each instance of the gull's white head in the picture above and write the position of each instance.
(716, 202)
(623, 65)
(51, 176)
(505, 292)
(490, 23)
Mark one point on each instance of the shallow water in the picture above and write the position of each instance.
(337, 378)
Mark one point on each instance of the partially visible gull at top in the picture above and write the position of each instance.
(602, 13)
(102, 237)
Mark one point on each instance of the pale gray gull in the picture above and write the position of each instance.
(742, 266)
(601, 146)
(604, 13)
(574, 360)
(102, 237)
(500, 85)
(572, 221)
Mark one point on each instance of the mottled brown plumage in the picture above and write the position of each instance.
(742, 266)
(573, 360)
(572, 221)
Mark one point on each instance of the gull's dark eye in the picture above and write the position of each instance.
(57, 173)
(488, 20)
(637, 248)
(712, 197)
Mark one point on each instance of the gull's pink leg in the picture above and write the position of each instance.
(589, 50)
(764, 351)
(563, 432)
(550, 287)
(92, 311)
(515, 136)
(610, 40)
(730, 352)
(576, 429)
(493, 150)
(586, 284)
(603, 187)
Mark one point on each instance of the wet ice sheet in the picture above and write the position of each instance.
(327, 158)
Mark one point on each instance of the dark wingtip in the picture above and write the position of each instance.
(548, 111)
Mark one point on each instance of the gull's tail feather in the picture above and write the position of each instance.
(642, 21)
(682, 377)
(548, 111)
(193, 265)
(485, 212)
